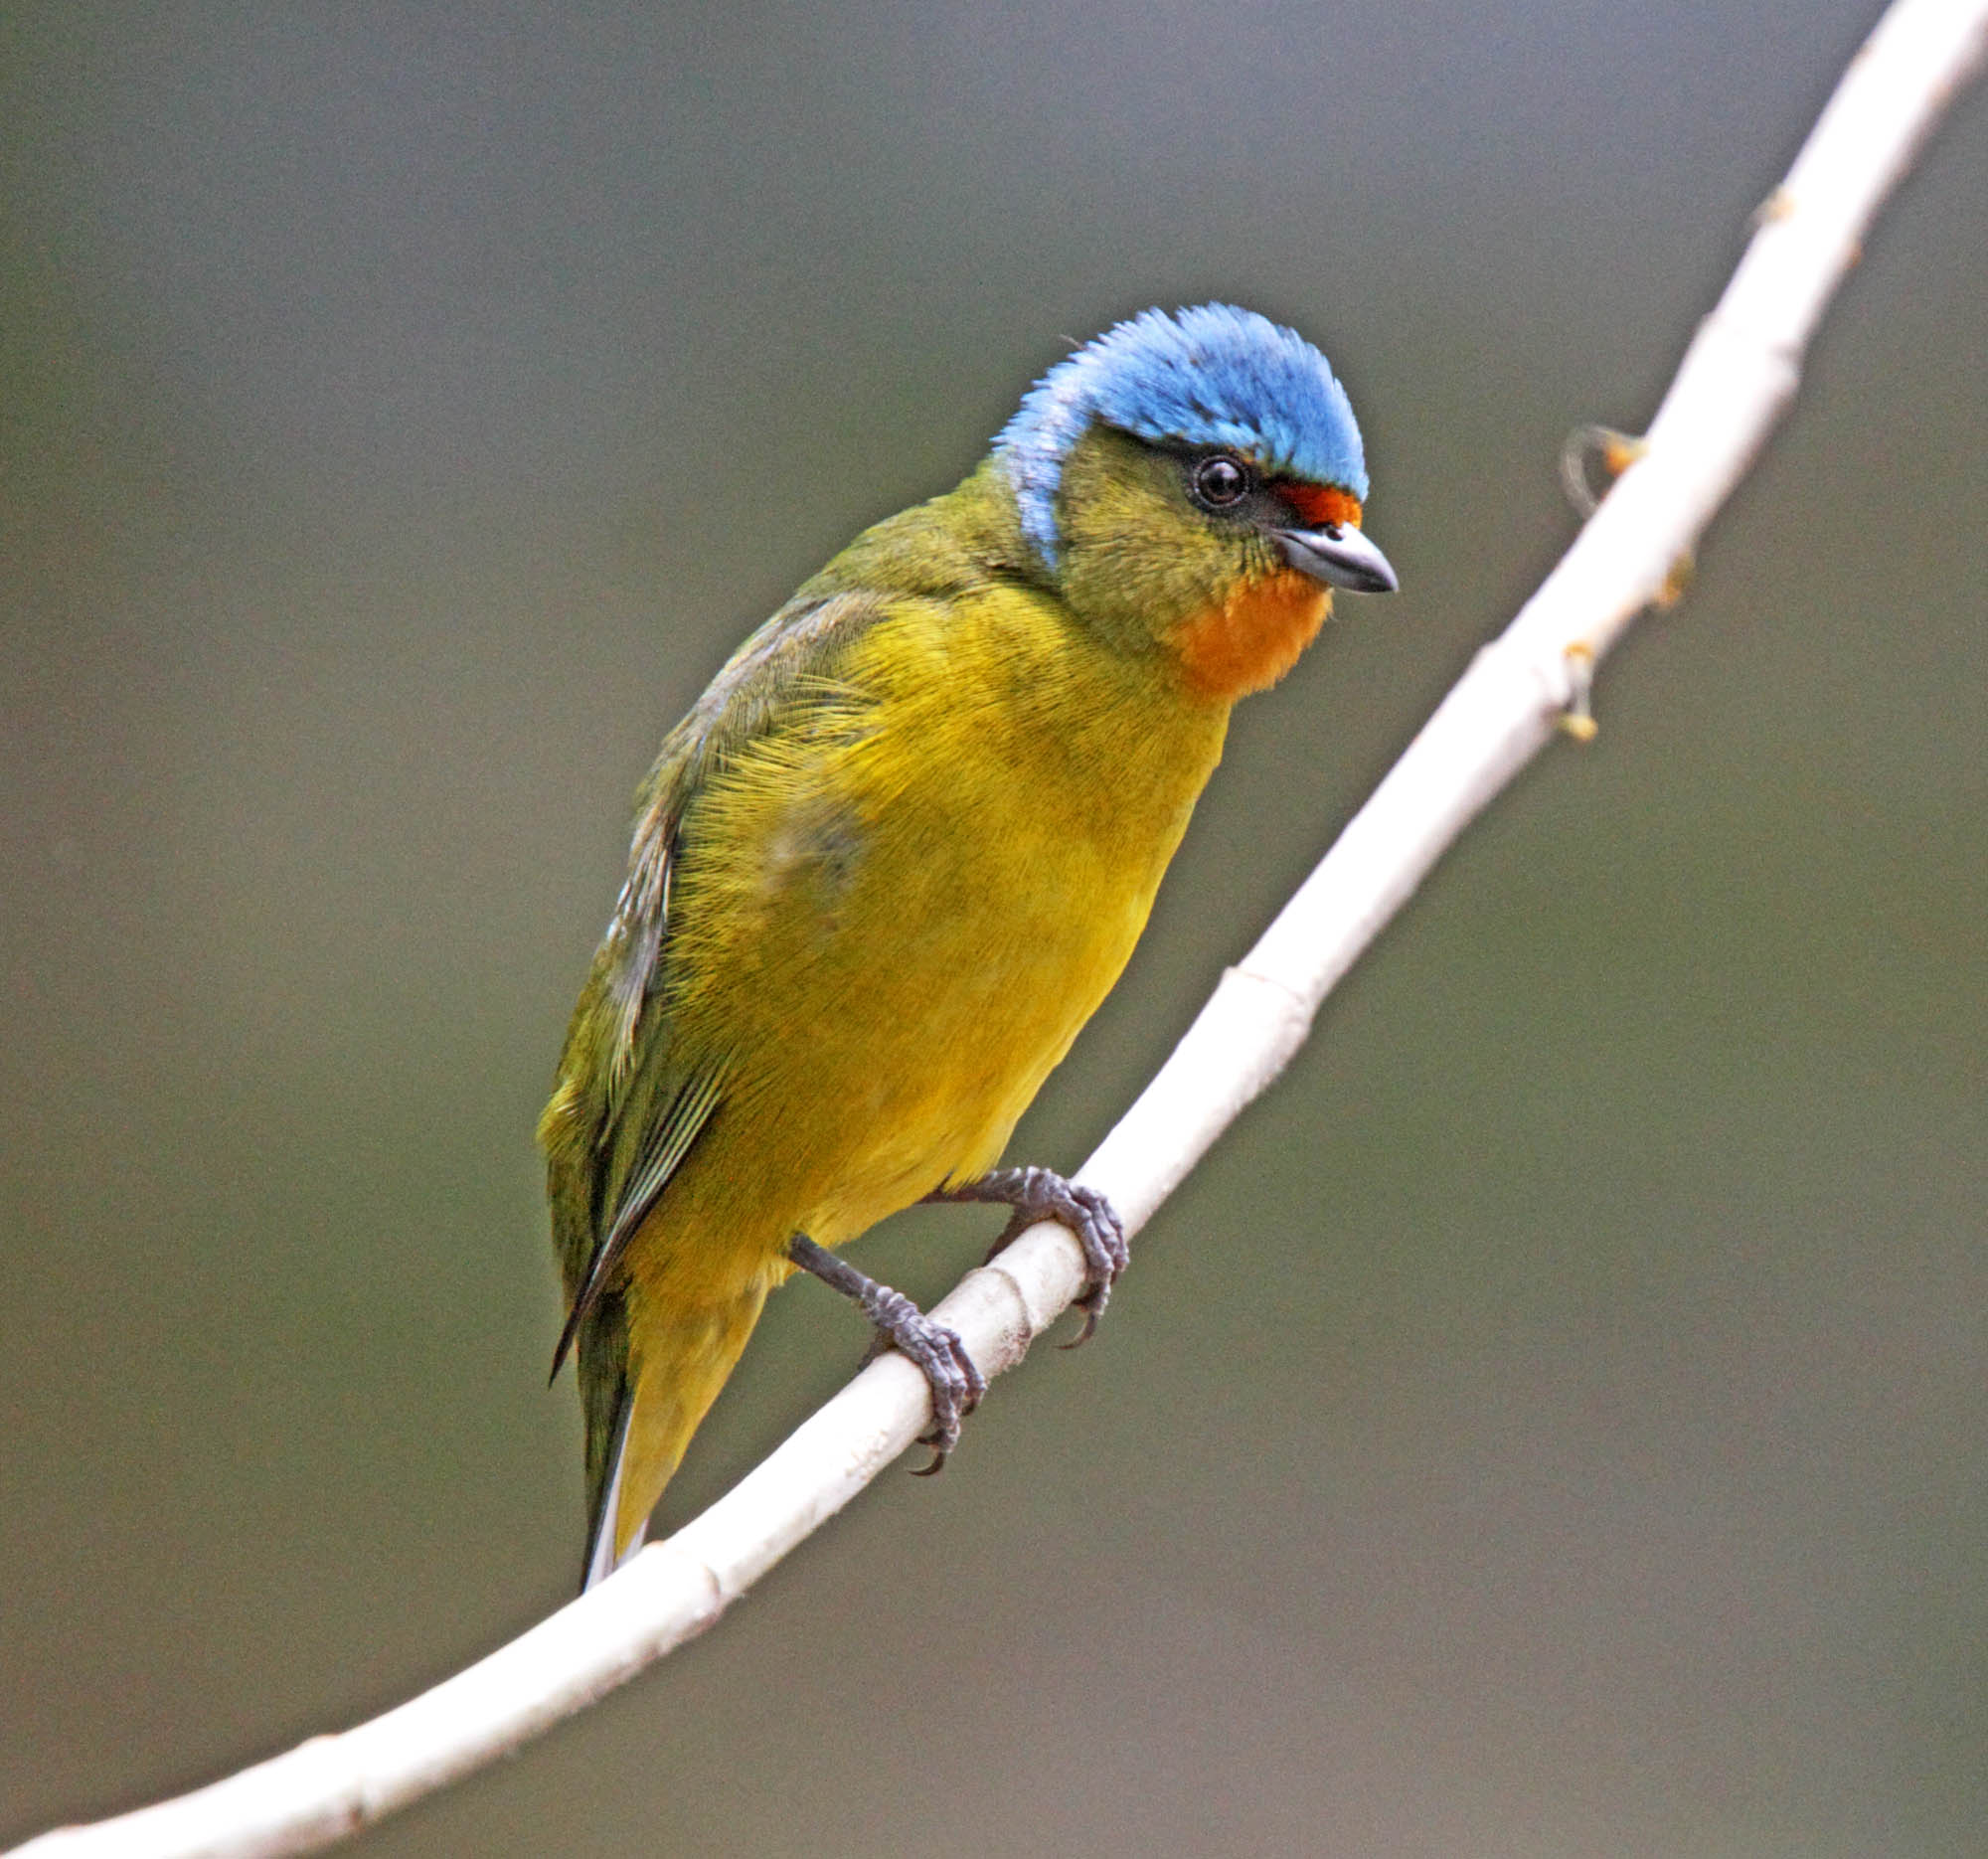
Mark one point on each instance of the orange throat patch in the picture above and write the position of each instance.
(1250, 640)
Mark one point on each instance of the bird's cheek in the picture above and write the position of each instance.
(1248, 640)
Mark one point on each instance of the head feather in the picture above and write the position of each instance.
(1210, 376)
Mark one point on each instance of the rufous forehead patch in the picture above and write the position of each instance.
(1320, 505)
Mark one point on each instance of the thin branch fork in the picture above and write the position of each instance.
(1737, 377)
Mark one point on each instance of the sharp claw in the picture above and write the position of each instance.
(936, 1352)
(955, 1382)
(1037, 1194)
(956, 1388)
(1093, 1306)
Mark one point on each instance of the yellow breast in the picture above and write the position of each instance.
(912, 921)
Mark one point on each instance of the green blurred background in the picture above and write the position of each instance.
(1552, 1423)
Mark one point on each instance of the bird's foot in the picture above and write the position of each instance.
(957, 1385)
(1042, 1194)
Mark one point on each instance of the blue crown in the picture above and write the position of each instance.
(1210, 376)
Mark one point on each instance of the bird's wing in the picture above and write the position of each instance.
(759, 682)
(629, 1104)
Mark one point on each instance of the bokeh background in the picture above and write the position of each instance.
(1552, 1423)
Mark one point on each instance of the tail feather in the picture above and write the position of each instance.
(604, 1554)
(607, 1403)
(643, 1400)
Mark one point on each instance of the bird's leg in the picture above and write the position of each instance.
(957, 1385)
(1042, 1194)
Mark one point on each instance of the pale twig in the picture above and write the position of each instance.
(1736, 377)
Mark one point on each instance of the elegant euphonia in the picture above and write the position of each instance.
(902, 847)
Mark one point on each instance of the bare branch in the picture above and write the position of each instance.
(1736, 377)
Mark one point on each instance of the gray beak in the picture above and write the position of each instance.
(1340, 556)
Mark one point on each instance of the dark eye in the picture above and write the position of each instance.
(1220, 482)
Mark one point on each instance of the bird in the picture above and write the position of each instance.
(900, 849)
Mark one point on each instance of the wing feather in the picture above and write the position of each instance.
(629, 1103)
(663, 1149)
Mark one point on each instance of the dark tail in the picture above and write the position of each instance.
(643, 1405)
